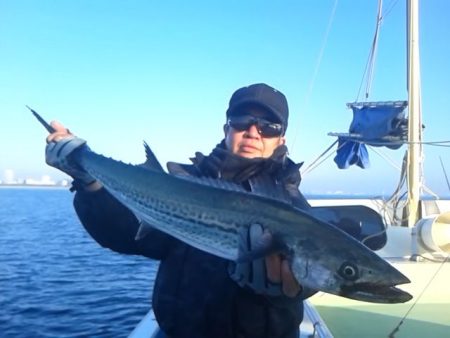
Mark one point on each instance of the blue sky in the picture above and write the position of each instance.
(120, 72)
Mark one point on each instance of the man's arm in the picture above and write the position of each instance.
(115, 227)
(109, 222)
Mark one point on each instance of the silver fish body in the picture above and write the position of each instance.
(211, 219)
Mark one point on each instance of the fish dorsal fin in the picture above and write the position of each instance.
(151, 161)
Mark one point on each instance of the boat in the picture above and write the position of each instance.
(417, 233)
(312, 325)
(412, 233)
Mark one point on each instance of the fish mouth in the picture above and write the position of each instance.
(375, 293)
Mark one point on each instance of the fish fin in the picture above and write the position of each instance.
(151, 161)
(143, 230)
(266, 244)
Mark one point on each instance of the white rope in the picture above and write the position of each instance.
(313, 165)
(397, 328)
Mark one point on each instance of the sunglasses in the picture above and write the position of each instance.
(265, 128)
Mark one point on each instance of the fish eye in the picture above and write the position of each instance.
(348, 271)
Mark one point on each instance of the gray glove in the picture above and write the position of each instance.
(57, 155)
(253, 274)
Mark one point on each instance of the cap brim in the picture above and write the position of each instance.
(272, 111)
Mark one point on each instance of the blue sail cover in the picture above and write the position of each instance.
(350, 153)
(374, 123)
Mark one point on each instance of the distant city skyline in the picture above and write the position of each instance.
(9, 177)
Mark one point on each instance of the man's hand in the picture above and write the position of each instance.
(60, 145)
(279, 272)
(270, 275)
(60, 133)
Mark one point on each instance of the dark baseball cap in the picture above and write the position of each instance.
(260, 94)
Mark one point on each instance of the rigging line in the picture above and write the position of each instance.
(374, 50)
(388, 11)
(316, 70)
(434, 260)
(436, 145)
(387, 143)
(429, 191)
(379, 233)
(397, 328)
(318, 158)
(386, 158)
(362, 80)
(445, 172)
(368, 71)
(397, 195)
(311, 167)
(318, 164)
(384, 211)
(370, 65)
(400, 204)
(326, 158)
(436, 142)
(392, 163)
(430, 143)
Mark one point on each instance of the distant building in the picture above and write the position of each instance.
(9, 177)
(45, 180)
(63, 183)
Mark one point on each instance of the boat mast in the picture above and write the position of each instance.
(414, 115)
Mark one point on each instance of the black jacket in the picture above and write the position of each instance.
(193, 294)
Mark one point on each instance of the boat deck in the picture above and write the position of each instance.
(312, 326)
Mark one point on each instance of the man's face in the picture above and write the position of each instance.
(250, 143)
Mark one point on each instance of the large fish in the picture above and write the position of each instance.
(212, 215)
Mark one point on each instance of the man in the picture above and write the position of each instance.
(197, 294)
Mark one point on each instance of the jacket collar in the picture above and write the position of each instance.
(221, 163)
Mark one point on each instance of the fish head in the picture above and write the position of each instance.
(351, 271)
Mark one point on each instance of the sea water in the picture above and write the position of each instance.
(55, 280)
